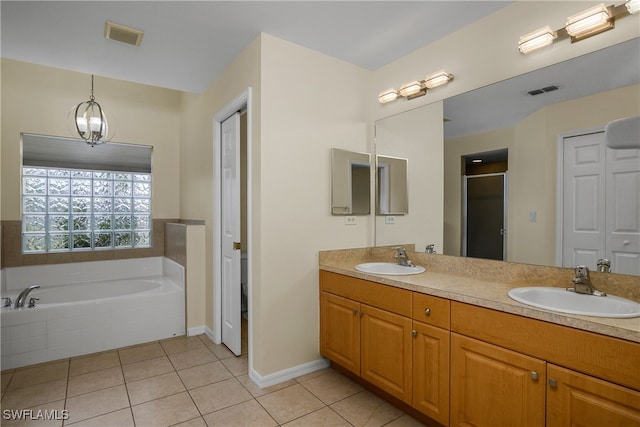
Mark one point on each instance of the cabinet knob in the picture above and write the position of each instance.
(355, 311)
(534, 375)
(553, 383)
(427, 311)
(414, 333)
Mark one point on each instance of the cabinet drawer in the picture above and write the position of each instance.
(431, 310)
(388, 298)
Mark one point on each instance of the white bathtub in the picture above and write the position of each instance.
(143, 301)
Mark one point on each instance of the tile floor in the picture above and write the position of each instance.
(186, 381)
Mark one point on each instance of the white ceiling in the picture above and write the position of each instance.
(186, 44)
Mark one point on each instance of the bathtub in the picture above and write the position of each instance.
(89, 307)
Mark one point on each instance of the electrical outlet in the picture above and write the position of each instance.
(350, 220)
(389, 219)
(533, 216)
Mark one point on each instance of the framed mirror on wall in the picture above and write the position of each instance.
(350, 182)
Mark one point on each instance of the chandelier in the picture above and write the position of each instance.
(90, 121)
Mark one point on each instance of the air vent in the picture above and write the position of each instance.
(543, 90)
(120, 33)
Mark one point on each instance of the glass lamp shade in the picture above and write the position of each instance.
(589, 22)
(89, 122)
(536, 40)
(387, 96)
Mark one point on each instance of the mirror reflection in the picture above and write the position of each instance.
(592, 90)
(391, 188)
(350, 182)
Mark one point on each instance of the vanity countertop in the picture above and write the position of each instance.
(483, 292)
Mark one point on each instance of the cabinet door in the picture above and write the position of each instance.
(431, 371)
(575, 399)
(340, 331)
(492, 386)
(386, 351)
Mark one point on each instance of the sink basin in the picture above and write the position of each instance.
(559, 299)
(389, 268)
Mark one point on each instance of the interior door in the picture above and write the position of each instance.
(485, 216)
(230, 220)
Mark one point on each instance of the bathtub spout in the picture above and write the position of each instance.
(23, 296)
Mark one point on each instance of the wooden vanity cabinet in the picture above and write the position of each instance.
(340, 331)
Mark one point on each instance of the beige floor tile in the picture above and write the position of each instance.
(154, 388)
(97, 403)
(208, 373)
(366, 409)
(196, 422)
(94, 362)
(181, 344)
(290, 403)
(238, 365)
(313, 374)
(405, 421)
(54, 409)
(92, 381)
(121, 418)
(324, 417)
(221, 351)
(190, 358)
(257, 391)
(141, 352)
(147, 368)
(247, 414)
(167, 411)
(6, 379)
(37, 394)
(28, 376)
(220, 395)
(331, 387)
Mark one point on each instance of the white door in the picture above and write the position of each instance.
(230, 221)
(601, 204)
(623, 210)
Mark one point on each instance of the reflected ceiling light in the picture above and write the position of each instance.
(633, 6)
(537, 39)
(412, 89)
(387, 96)
(437, 79)
(589, 22)
(90, 121)
(415, 88)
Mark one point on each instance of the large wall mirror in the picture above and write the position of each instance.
(576, 95)
(350, 182)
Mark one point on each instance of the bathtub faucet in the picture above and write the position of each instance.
(23, 296)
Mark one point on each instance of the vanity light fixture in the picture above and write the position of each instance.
(415, 88)
(633, 6)
(537, 39)
(589, 22)
(387, 96)
(90, 121)
(437, 79)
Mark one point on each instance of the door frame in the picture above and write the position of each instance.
(241, 102)
(463, 231)
(560, 184)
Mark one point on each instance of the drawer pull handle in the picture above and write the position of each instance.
(534, 375)
(414, 333)
(553, 383)
(427, 311)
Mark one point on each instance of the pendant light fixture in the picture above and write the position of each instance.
(90, 121)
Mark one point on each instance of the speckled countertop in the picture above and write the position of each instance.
(486, 283)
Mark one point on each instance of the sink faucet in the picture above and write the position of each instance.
(401, 256)
(582, 282)
(23, 296)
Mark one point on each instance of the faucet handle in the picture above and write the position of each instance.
(7, 301)
(581, 271)
(32, 301)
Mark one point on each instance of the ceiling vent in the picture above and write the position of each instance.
(543, 90)
(120, 33)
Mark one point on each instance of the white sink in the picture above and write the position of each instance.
(389, 268)
(559, 299)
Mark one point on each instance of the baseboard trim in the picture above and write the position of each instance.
(287, 374)
(196, 330)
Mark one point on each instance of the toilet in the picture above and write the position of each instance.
(243, 284)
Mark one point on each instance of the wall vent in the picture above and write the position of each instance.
(543, 90)
(123, 34)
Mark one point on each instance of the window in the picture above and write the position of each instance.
(71, 209)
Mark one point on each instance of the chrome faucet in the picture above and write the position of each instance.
(604, 265)
(430, 249)
(401, 256)
(582, 282)
(23, 296)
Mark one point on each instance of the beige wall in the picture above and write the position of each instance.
(532, 145)
(36, 99)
